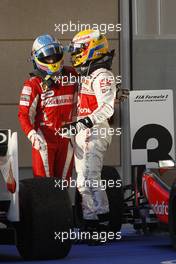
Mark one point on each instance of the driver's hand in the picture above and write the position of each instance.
(36, 140)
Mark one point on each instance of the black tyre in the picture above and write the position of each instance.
(44, 210)
(172, 214)
(115, 197)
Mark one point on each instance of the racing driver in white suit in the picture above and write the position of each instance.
(97, 90)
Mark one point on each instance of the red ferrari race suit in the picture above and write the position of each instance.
(95, 100)
(46, 112)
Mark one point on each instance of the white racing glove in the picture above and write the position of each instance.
(36, 140)
(70, 130)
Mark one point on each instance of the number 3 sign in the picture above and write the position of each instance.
(151, 127)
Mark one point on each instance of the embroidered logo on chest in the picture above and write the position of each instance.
(47, 94)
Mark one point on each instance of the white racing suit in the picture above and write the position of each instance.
(96, 100)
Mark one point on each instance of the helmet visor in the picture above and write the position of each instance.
(50, 54)
(76, 48)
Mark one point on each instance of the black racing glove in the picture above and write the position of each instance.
(74, 128)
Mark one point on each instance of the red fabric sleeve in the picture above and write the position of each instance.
(27, 106)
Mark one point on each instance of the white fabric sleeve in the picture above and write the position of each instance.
(104, 86)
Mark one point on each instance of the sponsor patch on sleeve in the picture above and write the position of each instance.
(24, 103)
(25, 97)
(27, 90)
(105, 82)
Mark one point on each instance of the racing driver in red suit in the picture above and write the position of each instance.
(47, 103)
